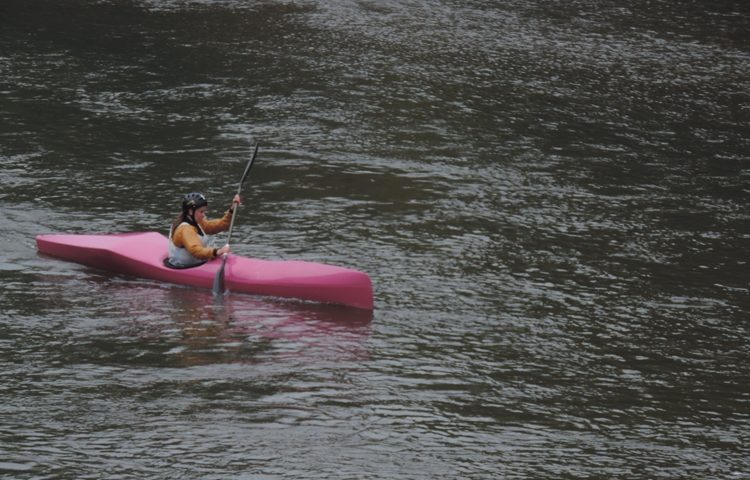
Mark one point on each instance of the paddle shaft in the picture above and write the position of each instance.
(218, 286)
(239, 189)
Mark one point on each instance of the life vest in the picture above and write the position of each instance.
(180, 257)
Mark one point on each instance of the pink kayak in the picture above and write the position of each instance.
(143, 254)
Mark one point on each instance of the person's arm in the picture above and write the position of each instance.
(213, 227)
(185, 236)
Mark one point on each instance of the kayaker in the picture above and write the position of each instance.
(190, 241)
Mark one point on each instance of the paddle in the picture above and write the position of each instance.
(218, 287)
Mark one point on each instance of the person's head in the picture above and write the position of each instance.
(194, 206)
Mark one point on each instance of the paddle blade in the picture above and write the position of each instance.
(248, 167)
(218, 287)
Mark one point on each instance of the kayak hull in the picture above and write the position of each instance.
(142, 255)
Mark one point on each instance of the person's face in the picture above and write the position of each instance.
(200, 214)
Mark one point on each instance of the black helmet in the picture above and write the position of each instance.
(193, 200)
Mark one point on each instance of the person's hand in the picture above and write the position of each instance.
(223, 251)
(236, 200)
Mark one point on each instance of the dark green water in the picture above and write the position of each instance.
(551, 199)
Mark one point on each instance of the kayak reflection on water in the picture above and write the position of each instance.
(185, 327)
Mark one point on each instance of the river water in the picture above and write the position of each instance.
(551, 199)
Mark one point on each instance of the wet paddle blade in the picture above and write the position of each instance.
(218, 287)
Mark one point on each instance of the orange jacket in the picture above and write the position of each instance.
(187, 236)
